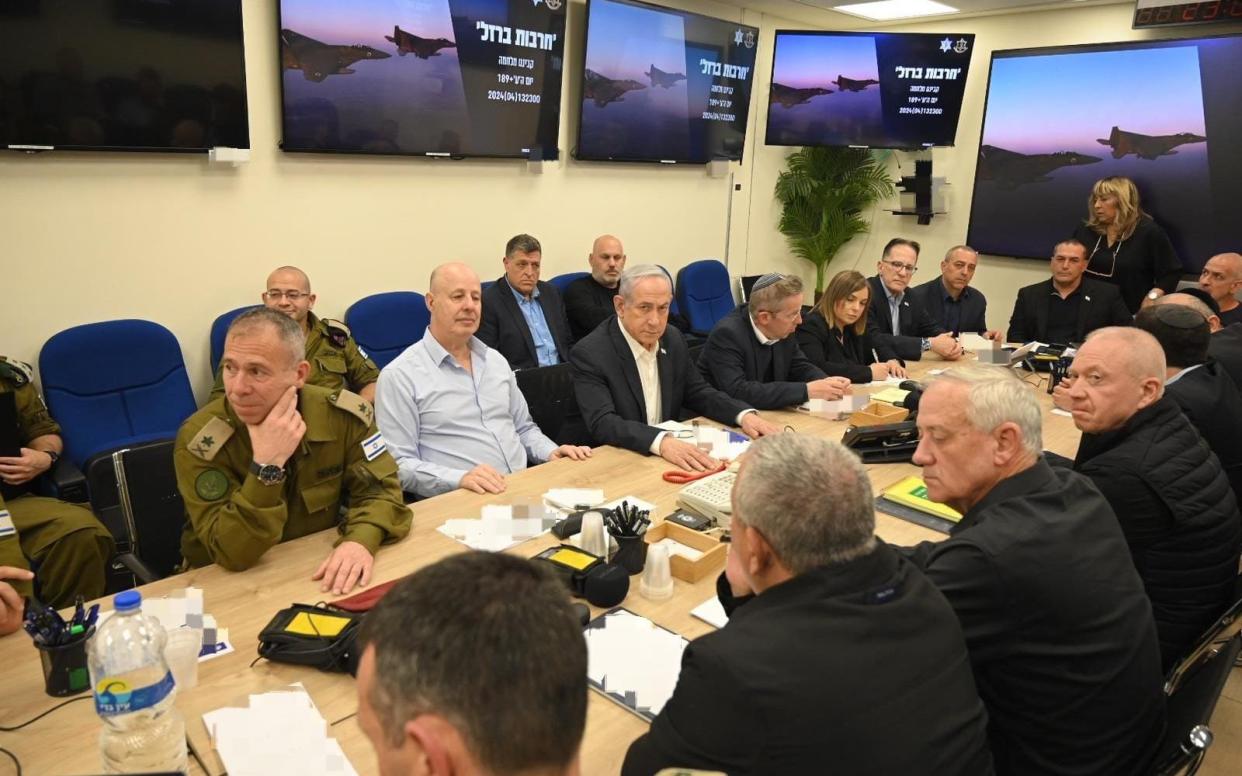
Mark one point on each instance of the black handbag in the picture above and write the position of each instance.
(313, 636)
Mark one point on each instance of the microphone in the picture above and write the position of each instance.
(911, 402)
(587, 576)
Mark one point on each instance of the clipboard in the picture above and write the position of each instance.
(632, 661)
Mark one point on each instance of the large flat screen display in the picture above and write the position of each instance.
(165, 75)
(422, 77)
(664, 86)
(881, 90)
(1167, 114)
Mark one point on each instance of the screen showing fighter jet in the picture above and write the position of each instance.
(447, 78)
(138, 75)
(663, 86)
(881, 90)
(1170, 121)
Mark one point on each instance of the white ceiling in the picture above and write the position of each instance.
(819, 13)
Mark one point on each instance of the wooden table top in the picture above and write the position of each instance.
(65, 742)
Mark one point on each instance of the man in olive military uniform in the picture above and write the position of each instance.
(336, 361)
(276, 458)
(66, 544)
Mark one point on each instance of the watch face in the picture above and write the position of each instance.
(271, 474)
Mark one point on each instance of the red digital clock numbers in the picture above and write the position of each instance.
(1189, 13)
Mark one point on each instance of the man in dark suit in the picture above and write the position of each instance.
(898, 318)
(752, 354)
(1196, 383)
(523, 317)
(814, 672)
(634, 372)
(1059, 629)
(1066, 307)
(1226, 348)
(950, 300)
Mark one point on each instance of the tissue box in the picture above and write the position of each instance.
(878, 413)
(687, 570)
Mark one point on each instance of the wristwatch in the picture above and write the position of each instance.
(55, 456)
(268, 473)
(925, 344)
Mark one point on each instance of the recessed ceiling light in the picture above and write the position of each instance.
(884, 10)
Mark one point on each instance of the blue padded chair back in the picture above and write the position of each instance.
(673, 309)
(562, 281)
(114, 384)
(220, 327)
(704, 294)
(486, 284)
(386, 324)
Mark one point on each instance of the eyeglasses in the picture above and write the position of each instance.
(1112, 267)
(292, 296)
(899, 267)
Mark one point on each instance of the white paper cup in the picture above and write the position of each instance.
(181, 654)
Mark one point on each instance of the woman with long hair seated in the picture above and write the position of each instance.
(834, 334)
(1125, 246)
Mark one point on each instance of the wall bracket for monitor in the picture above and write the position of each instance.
(226, 155)
(921, 194)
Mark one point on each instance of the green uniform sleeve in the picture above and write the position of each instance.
(361, 369)
(33, 419)
(377, 514)
(234, 518)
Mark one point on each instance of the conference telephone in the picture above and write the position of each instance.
(711, 496)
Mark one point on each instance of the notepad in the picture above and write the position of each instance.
(890, 395)
(279, 734)
(912, 492)
(632, 661)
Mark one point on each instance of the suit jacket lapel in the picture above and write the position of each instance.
(1041, 313)
(628, 366)
(549, 315)
(519, 320)
(667, 372)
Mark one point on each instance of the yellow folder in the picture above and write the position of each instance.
(912, 492)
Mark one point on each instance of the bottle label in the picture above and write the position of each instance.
(115, 696)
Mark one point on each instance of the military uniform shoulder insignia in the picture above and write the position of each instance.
(210, 438)
(353, 404)
(338, 332)
(19, 372)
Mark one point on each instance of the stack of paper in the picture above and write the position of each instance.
(184, 608)
(279, 734)
(711, 612)
(837, 409)
(633, 661)
(572, 498)
(500, 526)
(720, 443)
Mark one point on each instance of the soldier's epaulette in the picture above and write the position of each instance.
(353, 404)
(338, 333)
(19, 372)
(210, 438)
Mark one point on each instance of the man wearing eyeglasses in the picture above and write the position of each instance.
(900, 319)
(336, 361)
(524, 317)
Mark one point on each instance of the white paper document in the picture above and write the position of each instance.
(711, 612)
(500, 526)
(279, 734)
(633, 661)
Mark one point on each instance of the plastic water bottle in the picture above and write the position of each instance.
(134, 693)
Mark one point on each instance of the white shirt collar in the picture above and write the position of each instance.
(637, 347)
(1180, 374)
(759, 335)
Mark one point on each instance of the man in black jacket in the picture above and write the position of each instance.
(1196, 383)
(1066, 307)
(588, 300)
(753, 356)
(898, 318)
(1059, 630)
(634, 372)
(523, 317)
(845, 659)
(1165, 485)
(949, 298)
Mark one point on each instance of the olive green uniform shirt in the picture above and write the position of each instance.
(66, 542)
(341, 475)
(336, 360)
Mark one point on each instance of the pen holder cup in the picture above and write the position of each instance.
(631, 553)
(64, 666)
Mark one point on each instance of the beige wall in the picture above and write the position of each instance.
(90, 237)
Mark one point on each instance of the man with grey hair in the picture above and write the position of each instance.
(524, 317)
(1171, 497)
(1058, 626)
(817, 651)
(753, 356)
(1222, 278)
(634, 372)
(951, 301)
(276, 458)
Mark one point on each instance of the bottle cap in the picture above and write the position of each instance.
(127, 601)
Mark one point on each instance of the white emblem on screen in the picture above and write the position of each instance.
(960, 47)
(750, 39)
(946, 44)
(737, 37)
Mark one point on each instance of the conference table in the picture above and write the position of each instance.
(66, 741)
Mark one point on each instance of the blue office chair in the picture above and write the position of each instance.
(386, 324)
(486, 284)
(704, 294)
(114, 384)
(220, 327)
(562, 281)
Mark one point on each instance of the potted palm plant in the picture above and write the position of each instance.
(824, 192)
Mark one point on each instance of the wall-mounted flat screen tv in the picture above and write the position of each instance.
(161, 75)
(1169, 119)
(875, 89)
(422, 77)
(664, 86)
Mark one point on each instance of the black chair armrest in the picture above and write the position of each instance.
(66, 482)
(144, 573)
